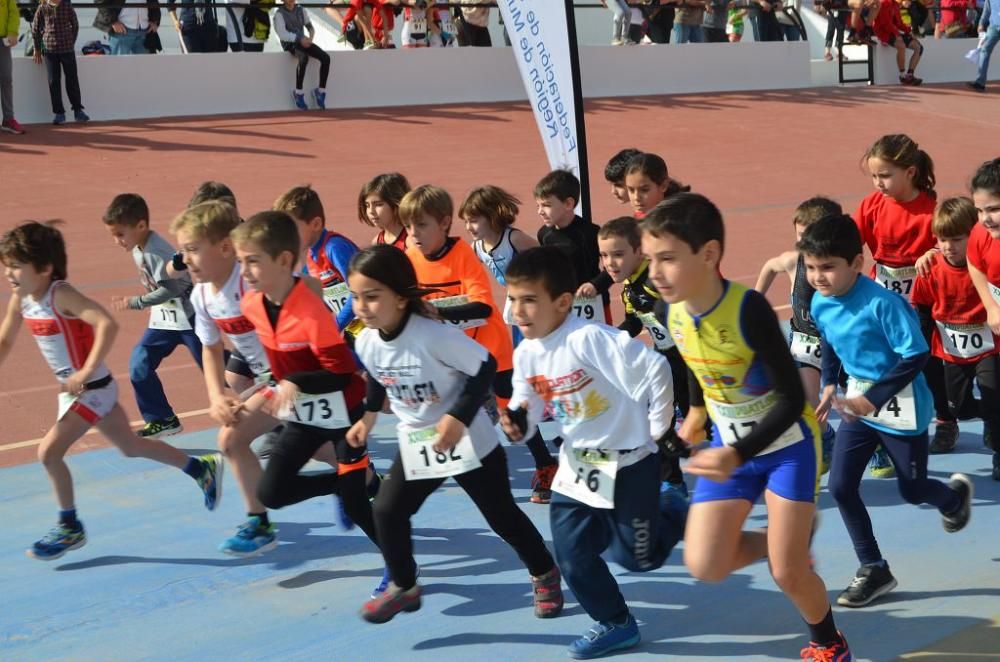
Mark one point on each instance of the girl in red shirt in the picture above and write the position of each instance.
(378, 206)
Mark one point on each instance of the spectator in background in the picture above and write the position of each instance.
(734, 24)
(891, 31)
(763, 21)
(291, 23)
(789, 28)
(687, 22)
(350, 33)
(248, 25)
(836, 22)
(659, 15)
(54, 29)
(131, 26)
(10, 19)
(197, 26)
(954, 21)
(620, 20)
(714, 24)
(474, 29)
(989, 35)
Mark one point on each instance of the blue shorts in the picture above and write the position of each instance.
(791, 473)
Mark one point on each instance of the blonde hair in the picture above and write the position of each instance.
(212, 220)
(954, 217)
(496, 205)
(431, 200)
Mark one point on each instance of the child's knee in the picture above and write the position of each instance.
(790, 577)
(912, 491)
(704, 569)
(138, 364)
(49, 454)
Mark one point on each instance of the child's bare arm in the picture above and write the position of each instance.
(784, 263)
(10, 326)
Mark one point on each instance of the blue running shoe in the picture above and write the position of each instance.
(81, 116)
(827, 448)
(300, 100)
(319, 98)
(345, 521)
(251, 539)
(211, 479)
(59, 118)
(605, 637)
(58, 541)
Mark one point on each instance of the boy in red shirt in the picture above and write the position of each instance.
(954, 319)
(890, 30)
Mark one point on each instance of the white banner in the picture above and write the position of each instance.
(538, 34)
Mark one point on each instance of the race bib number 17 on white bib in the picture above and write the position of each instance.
(169, 316)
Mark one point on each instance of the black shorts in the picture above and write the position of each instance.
(905, 36)
(239, 365)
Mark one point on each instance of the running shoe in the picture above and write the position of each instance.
(166, 427)
(343, 519)
(384, 582)
(300, 101)
(548, 594)
(81, 116)
(870, 582)
(211, 479)
(957, 520)
(945, 437)
(251, 539)
(605, 637)
(390, 602)
(319, 98)
(838, 652)
(59, 540)
(12, 126)
(541, 484)
(881, 465)
(59, 118)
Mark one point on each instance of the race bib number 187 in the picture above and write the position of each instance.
(896, 279)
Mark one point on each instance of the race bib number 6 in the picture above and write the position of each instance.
(421, 461)
(587, 475)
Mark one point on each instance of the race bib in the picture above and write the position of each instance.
(586, 308)
(421, 461)
(806, 349)
(336, 297)
(457, 300)
(900, 413)
(169, 316)
(965, 341)
(661, 339)
(418, 26)
(322, 410)
(736, 421)
(587, 475)
(897, 279)
(995, 291)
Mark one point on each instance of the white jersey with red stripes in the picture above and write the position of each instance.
(219, 313)
(65, 341)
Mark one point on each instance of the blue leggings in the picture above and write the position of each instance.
(856, 441)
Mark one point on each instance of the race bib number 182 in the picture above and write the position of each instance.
(421, 461)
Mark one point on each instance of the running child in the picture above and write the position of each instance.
(614, 173)
(620, 243)
(556, 197)
(464, 298)
(648, 183)
(895, 225)
(378, 206)
(317, 390)
(75, 334)
(804, 341)
(765, 439)
(953, 319)
(612, 399)
(170, 313)
(437, 381)
(874, 337)
(326, 253)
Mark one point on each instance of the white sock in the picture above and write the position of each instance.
(321, 90)
(299, 92)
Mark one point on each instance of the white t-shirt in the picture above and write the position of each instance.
(423, 371)
(606, 390)
(219, 312)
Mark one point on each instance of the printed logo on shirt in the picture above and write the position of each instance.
(292, 346)
(569, 399)
(390, 375)
(414, 395)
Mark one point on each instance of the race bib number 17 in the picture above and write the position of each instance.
(169, 316)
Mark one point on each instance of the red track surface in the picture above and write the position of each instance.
(755, 154)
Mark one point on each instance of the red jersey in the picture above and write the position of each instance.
(399, 242)
(889, 22)
(459, 272)
(960, 333)
(305, 339)
(984, 254)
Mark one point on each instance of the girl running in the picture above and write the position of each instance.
(378, 206)
(437, 380)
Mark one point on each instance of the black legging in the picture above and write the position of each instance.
(836, 21)
(282, 484)
(488, 487)
(303, 55)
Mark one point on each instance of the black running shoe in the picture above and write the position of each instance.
(870, 582)
(957, 520)
(996, 466)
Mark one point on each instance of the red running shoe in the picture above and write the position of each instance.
(838, 652)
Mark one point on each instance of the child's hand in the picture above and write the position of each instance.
(825, 403)
(692, 429)
(357, 436)
(924, 262)
(450, 431)
(586, 291)
(305, 42)
(509, 425)
(75, 384)
(224, 409)
(118, 27)
(119, 304)
(716, 464)
(284, 397)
